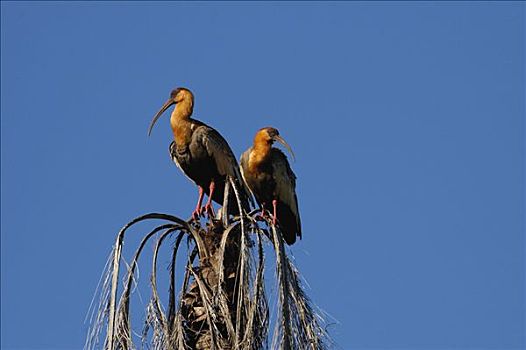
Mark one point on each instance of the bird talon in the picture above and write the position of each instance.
(196, 214)
(209, 210)
(261, 215)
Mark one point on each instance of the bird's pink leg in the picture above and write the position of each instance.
(209, 208)
(274, 204)
(261, 215)
(197, 211)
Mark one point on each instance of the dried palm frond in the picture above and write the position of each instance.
(222, 301)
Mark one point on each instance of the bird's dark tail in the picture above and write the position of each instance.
(288, 223)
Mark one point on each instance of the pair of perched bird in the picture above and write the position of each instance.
(207, 159)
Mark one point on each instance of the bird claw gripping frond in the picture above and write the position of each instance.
(219, 301)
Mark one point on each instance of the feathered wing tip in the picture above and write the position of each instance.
(222, 302)
(288, 223)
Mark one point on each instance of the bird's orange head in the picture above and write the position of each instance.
(267, 136)
(181, 96)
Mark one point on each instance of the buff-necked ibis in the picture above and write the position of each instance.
(202, 154)
(268, 175)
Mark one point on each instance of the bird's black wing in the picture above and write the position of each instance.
(217, 148)
(285, 180)
(174, 156)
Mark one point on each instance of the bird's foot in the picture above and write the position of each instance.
(197, 213)
(262, 216)
(208, 209)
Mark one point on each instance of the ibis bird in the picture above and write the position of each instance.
(202, 154)
(268, 175)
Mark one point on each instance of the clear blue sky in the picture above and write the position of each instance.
(407, 120)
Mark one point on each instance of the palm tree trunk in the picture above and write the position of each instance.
(198, 333)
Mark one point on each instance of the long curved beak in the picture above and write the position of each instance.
(284, 143)
(166, 105)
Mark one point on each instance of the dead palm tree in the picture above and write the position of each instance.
(222, 302)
